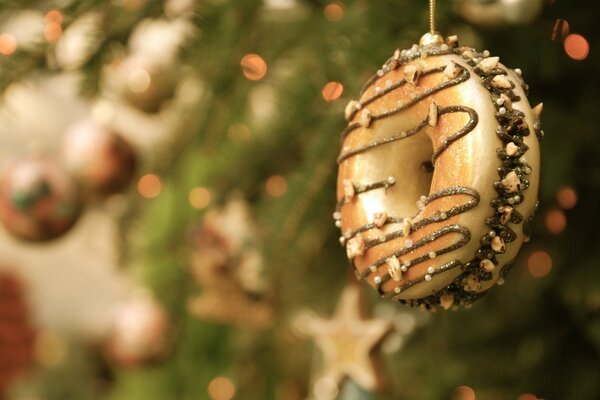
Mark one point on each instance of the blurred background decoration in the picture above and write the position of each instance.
(167, 185)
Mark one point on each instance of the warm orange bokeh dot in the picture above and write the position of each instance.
(577, 47)
(566, 197)
(556, 221)
(332, 91)
(276, 186)
(334, 12)
(54, 16)
(253, 67)
(53, 29)
(560, 29)
(463, 393)
(149, 186)
(199, 197)
(8, 44)
(52, 32)
(528, 396)
(539, 264)
(221, 388)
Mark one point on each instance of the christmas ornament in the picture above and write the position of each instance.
(227, 266)
(101, 161)
(499, 12)
(145, 83)
(139, 333)
(38, 200)
(347, 342)
(438, 173)
(16, 333)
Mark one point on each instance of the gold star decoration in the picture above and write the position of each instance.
(348, 341)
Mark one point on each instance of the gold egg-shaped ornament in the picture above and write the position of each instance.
(438, 174)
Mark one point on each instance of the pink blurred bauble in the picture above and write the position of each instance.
(139, 333)
(101, 161)
(38, 200)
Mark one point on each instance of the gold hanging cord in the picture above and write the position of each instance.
(432, 16)
(432, 37)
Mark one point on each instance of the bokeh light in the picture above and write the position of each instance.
(199, 197)
(276, 186)
(54, 17)
(53, 28)
(8, 44)
(556, 221)
(577, 47)
(253, 67)
(566, 197)
(560, 29)
(149, 186)
(334, 12)
(221, 388)
(539, 264)
(463, 393)
(332, 91)
(527, 396)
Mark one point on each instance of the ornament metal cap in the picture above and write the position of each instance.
(431, 38)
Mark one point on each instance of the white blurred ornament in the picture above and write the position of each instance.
(27, 27)
(160, 39)
(499, 12)
(139, 333)
(79, 41)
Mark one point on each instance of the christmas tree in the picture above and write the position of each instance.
(188, 151)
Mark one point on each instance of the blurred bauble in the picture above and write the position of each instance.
(139, 333)
(101, 161)
(38, 200)
(145, 83)
(16, 333)
(499, 12)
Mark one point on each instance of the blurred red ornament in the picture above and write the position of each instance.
(139, 334)
(38, 200)
(16, 334)
(101, 161)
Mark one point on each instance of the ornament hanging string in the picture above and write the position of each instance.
(431, 16)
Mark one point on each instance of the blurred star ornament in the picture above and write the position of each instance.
(139, 333)
(16, 334)
(227, 265)
(101, 161)
(438, 173)
(499, 12)
(38, 200)
(347, 341)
